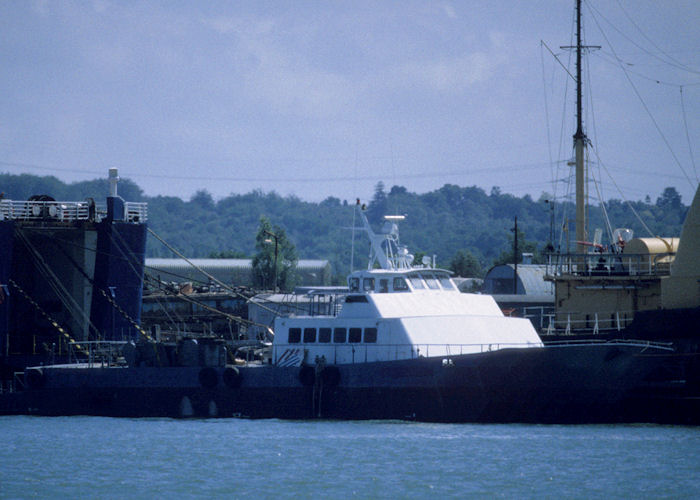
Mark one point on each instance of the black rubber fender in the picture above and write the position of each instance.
(330, 376)
(34, 378)
(307, 376)
(208, 378)
(232, 377)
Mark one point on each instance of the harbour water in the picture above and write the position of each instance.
(89, 457)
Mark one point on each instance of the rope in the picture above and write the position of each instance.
(639, 96)
(58, 327)
(212, 278)
(66, 298)
(109, 299)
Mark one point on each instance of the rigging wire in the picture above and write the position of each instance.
(629, 204)
(687, 134)
(59, 289)
(670, 62)
(217, 281)
(612, 59)
(639, 96)
(568, 188)
(552, 165)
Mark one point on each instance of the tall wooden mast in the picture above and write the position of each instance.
(580, 146)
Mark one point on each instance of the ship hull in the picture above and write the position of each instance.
(595, 383)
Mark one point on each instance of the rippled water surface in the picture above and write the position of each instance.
(90, 457)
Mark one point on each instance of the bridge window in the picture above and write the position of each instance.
(383, 285)
(309, 335)
(354, 284)
(339, 335)
(370, 335)
(355, 336)
(400, 285)
(431, 281)
(416, 282)
(446, 283)
(368, 284)
(324, 335)
(294, 335)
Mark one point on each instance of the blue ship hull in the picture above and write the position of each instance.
(574, 384)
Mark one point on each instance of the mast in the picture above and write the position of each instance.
(580, 141)
(580, 146)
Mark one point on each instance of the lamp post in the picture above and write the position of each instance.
(276, 238)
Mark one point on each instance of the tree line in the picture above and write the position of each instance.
(465, 228)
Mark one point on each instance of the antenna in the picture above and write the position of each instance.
(580, 139)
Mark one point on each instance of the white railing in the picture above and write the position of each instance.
(610, 264)
(360, 352)
(578, 323)
(66, 211)
(136, 212)
(363, 353)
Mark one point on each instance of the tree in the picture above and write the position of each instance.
(670, 199)
(203, 199)
(378, 206)
(464, 264)
(274, 264)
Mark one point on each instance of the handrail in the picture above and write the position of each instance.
(67, 211)
(99, 352)
(395, 352)
(597, 323)
(609, 264)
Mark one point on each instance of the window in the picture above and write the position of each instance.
(355, 336)
(294, 335)
(324, 335)
(400, 284)
(339, 335)
(355, 298)
(368, 284)
(431, 281)
(354, 284)
(446, 282)
(370, 335)
(383, 285)
(416, 282)
(309, 335)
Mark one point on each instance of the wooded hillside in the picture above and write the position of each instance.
(446, 222)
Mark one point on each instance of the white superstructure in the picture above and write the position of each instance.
(399, 311)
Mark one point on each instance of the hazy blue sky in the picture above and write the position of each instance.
(327, 98)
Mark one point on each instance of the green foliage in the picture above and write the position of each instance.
(464, 264)
(274, 264)
(441, 222)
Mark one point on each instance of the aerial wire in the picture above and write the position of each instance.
(641, 99)
(687, 135)
(629, 39)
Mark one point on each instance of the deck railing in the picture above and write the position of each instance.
(96, 353)
(610, 264)
(66, 211)
(363, 353)
(591, 323)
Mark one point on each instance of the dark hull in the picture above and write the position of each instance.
(572, 384)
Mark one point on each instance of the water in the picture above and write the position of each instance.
(90, 457)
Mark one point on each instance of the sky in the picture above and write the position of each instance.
(328, 98)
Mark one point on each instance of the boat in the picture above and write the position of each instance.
(401, 343)
(632, 288)
(70, 272)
